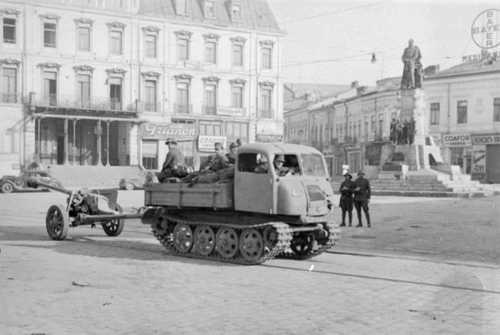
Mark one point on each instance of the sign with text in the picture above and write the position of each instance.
(486, 139)
(485, 29)
(206, 143)
(457, 140)
(162, 131)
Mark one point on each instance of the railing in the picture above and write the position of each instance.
(231, 111)
(182, 109)
(93, 103)
(209, 110)
(266, 113)
(10, 98)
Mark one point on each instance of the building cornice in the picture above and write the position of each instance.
(151, 74)
(267, 43)
(83, 68)
(116, 25)
(183, 77)
(49, 65)
(269, 84)
(84, 21)
(9, 11)
(211, 36)
(238, 40)
(183, 34)
(237, 81)
(54, 17)
(151, 29)
(10, 61)
(211, 79)
(116, 71)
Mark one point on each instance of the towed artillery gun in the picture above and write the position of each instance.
(259, 215)
(83, 207)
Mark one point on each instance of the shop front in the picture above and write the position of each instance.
(459, 151)
(486, 157)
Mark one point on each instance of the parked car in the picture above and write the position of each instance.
(10, 184)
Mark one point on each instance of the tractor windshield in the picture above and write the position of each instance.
(312, 165)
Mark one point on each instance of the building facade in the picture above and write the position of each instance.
(105, 82)
(464, 116)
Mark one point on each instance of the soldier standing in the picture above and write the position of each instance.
(346, 199)
(362, 194)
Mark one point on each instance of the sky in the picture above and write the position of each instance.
(331, 41)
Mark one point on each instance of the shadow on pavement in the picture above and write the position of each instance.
(94, 245)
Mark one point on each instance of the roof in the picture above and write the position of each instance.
(255, 14)
(277, 148)
(465, 69)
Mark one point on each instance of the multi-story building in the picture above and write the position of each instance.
(104, 82)
(464, 116)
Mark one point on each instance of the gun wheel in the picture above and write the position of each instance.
(226, 242)
(183, 238)
(114, 227)
(57, 222)
(251, 245)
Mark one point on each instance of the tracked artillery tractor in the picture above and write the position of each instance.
(84, 207)
(262, 213)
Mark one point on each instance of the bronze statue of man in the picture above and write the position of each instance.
(412, 67)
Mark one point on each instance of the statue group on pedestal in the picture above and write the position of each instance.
(402, 132)
(413, 68)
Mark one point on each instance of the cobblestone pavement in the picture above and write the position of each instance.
(93, 284)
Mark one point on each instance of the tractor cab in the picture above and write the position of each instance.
(282, 179)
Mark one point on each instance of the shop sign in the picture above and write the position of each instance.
(162, 131)
(457, 140)
(486, 139)
(206, 143)
(478, 171)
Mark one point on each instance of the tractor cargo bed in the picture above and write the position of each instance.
(215, 195)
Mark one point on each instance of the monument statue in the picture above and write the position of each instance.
(412, 72)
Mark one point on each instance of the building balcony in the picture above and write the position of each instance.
(10, 98)
(149, 107)
(209, 110)
(231, 111)
(75, 106)
(183, 109)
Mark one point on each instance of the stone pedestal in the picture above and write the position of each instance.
(413, 106)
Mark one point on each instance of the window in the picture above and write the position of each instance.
(116, 42)
(253, 162)
(235, 130)
(83, 87)
(267, 58)
(182, 49)
(210, 99)
(150, 154)
(462, 111)
(381, 125)
(211, 52)
(50, 88)
(209, 9)
(237, 54)
(496, 109)
(373, 121)
(150, 103)
(115, 93)
(182, 102)
(211, 128)
(9, 30)
(83, 38)
(49, 35)
(266, 103)
(312, 165)
(150, 42)
(435, 113)
(237, 96)
(9, 85)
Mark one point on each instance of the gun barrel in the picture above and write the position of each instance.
(34, 183)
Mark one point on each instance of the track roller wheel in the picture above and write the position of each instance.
(226, 242)
(183, 238)
(302, 245)
(57, 222)
(251, 245)
(204, 240)
(114, 227)
(270, 236)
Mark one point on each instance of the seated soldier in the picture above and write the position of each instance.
(218, 161)
(262, 164)
(231, 155)
(281, 170)
(174, 163)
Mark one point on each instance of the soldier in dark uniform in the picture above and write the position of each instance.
(218, 161)
(231, 155)
(362, 194)
(174, 163)
(346, 200)
(281, 170)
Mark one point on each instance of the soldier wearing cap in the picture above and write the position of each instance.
(174, 162)
(281, 170)
(231, 155)
(346, 197)
(362, 194)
